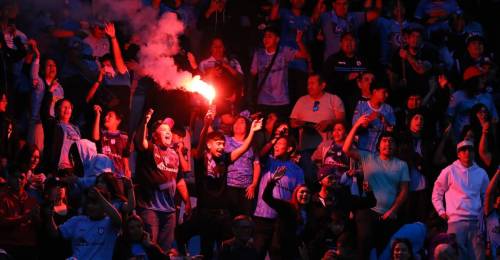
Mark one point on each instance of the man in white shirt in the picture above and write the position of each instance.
(313, 114)
(458, 197)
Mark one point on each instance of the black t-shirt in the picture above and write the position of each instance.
(157, 170)
(211, 182)
(336, 70)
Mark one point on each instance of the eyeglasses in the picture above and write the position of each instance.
(315, 106)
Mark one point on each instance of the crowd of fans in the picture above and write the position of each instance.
(341, 129)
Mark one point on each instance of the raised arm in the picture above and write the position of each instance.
(109, 209)
(35, 65)
(283, 207)
(109, 29)
(319, 8)
(275, 11)
(96, 131)
(236, 153)
(129, 206)
(302, 53)
(484, 153)
(141, 138)
(491, 194)
(347, 148)
(184, 163)
(200, 149)
(95, 86)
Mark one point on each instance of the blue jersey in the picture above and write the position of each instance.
(274, 91)
(290, 24)
(294, 176)
(368, 137)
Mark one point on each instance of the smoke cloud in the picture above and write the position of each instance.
(157, 36)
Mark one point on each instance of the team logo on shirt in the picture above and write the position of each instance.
(100, 230)
(166, 161)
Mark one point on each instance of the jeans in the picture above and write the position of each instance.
(160, 225)
(469, 239)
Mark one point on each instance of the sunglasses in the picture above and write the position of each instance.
(315, 106)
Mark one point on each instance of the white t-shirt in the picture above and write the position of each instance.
(90, 239)
(328, 105)
(306, 110)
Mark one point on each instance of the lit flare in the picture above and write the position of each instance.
(201, 87)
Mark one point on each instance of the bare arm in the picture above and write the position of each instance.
(117, 53)
(141, 138)
(400, 199)
(275, 12)
(96, 132)
(267, 147)
(183, 191)
(302, 53)
(439, 156)
(95, 86)
(484, 154)
(109, 209)
(185, 166)
(347, 148)
(491, 194)
(200, 149)
(317, 11)
(236, 153)
(129, 206)
(250, 190)
(420, 67)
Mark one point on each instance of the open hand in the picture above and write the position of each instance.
(109, 29)
(279, 173)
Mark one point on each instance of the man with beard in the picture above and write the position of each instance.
(389, 178)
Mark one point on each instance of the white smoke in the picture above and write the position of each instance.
(158, 38)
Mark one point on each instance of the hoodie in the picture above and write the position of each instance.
(93, 163)
(463, 191)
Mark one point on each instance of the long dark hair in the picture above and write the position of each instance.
(24, 157)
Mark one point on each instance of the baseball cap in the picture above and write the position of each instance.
(464, 143)
(168, 121)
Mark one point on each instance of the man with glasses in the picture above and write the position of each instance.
(458, 196)
(313, 114)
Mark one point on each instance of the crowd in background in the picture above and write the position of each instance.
(341, 129)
